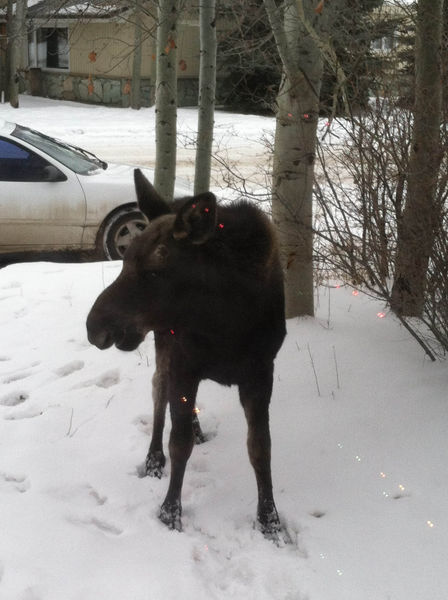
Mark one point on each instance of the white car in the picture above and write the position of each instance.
(55, 196)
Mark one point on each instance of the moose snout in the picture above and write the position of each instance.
(98, 334)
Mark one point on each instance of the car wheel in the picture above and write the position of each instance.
(120, 230)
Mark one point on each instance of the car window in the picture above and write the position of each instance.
(78, 160)
(20, 164)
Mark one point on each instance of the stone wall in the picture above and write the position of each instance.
(102, 90)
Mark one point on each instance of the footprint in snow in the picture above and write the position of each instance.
(99, 524)
(69, 368)
(19, 483)
(14, 398)
(27, 413)
(106, 380)
(17, 377)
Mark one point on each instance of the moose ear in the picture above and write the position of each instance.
(150, 203)
(196, 220)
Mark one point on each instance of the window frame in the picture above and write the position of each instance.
(33, 58)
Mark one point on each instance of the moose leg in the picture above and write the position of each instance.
(255, 395)
(182, 396)
(155, 460)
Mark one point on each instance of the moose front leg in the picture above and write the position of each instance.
(155, 460)
(182, 403)
(255, 395)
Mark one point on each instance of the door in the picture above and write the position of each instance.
(42, 204)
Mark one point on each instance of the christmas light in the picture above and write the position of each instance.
(183, 399)
(172, 331)
(196, 410)
(206, 210)
(358, 458)
(355, 293)
(339, 572)
(430, 524)
(221, 226)
(383, 475)
(380, 315)
(401, 487)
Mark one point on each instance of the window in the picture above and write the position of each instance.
(48, 48)
(385, 44)
(20, 164)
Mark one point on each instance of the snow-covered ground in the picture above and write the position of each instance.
(359, 423)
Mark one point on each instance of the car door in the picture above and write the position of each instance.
(42, 204)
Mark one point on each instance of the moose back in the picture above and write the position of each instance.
(206, 279)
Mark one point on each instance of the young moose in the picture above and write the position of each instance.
(207, 280)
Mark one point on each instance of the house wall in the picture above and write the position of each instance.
(100, 59)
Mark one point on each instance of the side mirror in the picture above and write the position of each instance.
(51, 173)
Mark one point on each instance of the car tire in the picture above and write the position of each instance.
(119, 231)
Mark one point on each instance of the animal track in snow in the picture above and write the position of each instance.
(27, 413)
(69, 368)
(17, 377)
(19, 483)
(14, 398)
(318, 514)
(106, 380)
(100, 524)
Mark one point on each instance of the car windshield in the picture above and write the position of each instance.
(78, 160)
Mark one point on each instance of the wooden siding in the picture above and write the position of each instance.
(106, 50)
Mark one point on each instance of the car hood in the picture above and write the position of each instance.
(124, 174)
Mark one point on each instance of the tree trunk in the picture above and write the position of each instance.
(166, 98)
(295, 145)
(17, 33)
(421, 214)
(207, 86)
(137, 60)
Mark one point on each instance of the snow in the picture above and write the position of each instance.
(359, 429)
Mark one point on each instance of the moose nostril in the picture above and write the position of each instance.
(100, 339)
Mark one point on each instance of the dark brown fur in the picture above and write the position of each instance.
(207, 280)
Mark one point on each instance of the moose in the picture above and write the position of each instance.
(206, 279)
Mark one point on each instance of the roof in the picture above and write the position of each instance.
(72, 9)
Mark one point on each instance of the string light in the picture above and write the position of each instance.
(358, 458)
(401, 488)
(430, 524)
(172, 331)
(196, 410)
(221, 225)
(183, 399)
(383, 475)
(355, 293)
(380, 315)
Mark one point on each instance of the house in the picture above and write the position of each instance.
(85, 51)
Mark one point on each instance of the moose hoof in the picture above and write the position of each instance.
(170, 513)
(155, 461)
(199, 437)
(268, 521)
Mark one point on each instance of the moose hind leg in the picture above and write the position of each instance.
(255, 395)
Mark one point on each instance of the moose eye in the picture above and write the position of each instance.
(150, 275)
